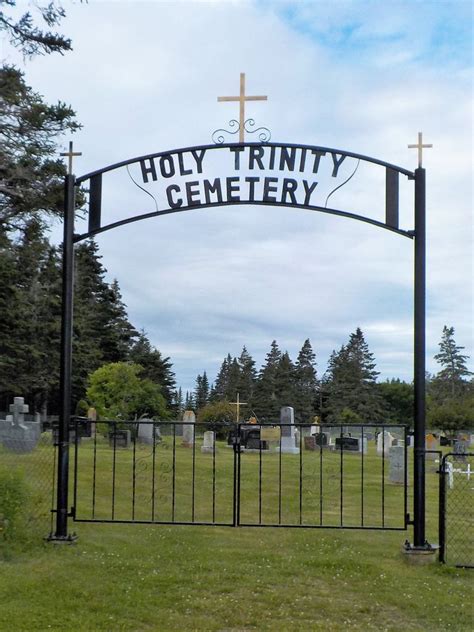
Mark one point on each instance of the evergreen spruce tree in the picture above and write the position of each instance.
(352, 392)
(285, 382)
(189, 401)
(102, 332)
(31, 173)
(306, 384)
(266, 403)
(178, 403)
(117, 334)
(233, 381)
(222, 380)
(201, 391)
(450, 382)
(247, 377)
(156, 368)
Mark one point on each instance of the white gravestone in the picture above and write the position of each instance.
(208, 445)
(384, 442)
(21, 436)
(288, 431)
(189, 420)
(146, 431)
(363, 445)
(396, 473)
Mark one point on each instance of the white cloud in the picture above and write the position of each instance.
(363, 76)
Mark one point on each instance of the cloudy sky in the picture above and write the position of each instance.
(362, 76)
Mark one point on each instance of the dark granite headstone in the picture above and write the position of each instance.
(120, 438)
(351, 444)
(321, 439)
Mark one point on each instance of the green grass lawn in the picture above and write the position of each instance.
(161, 577)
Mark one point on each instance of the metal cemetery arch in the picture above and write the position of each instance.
(288, 198)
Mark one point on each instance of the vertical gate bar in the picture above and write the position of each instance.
(234, 495)
(442, 510)
(321, 476)
(153, 472)
(113, 468)
(301, 479)
(279, 482)
(193, 491)
(53, 488)
(94, 468)
(260, 480)
(239, 473)
(362, 481)
(419, 539)
(341, 473)
(405, 479)
(383, 478)
(67, 306)
(214, 480)
(76, 452)
(134, 470)
(174, 474)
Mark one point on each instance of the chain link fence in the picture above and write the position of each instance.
(457, 510)
(27, 480)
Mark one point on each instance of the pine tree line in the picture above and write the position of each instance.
(347, 392)
(349, 386)
(30, 327)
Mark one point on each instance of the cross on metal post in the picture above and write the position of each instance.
(70, 155)
(241, 99)
(238, 403)
(420, 147)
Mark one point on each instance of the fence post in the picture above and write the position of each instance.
(442, 510)
(62, 511)
(419, 536)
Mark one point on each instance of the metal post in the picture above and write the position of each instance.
(61, 533)
(442, 510)
(419, 539)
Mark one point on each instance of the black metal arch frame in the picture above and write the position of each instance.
(418, 234)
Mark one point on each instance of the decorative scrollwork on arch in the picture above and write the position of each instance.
(218, 135)
(264, 134)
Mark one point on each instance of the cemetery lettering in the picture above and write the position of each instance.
(241, 188)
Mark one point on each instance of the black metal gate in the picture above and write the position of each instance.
(282, 475)
(456, 510)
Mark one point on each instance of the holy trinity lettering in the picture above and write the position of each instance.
(302, 161)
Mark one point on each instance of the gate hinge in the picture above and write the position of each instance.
(408, 520)
(72, 513)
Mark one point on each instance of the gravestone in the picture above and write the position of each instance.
(363, 444)
(19, 435)
(189, 420)
(288, 431)
(396, 457)
(321, 439)
(349, 444)
(310, 443)
(120, 438)
(209, 444)
(461, 448)
(431, 443)
(147, 432)
(251, 438)
(384, 442)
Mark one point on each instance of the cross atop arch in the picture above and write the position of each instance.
(242, 98)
